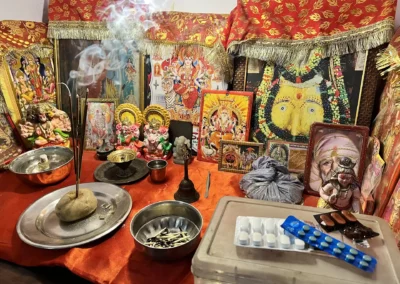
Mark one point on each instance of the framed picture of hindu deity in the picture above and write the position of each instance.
(108, 71)
(225, 116)
(28, 78)
(100, 122)
(332, 87)
(176, 83)
(10, 144)
(329, 144)
(238, 156)
(291, 155)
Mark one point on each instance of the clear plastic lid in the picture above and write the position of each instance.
(218, 259)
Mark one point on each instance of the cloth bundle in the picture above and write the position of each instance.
(270, 180)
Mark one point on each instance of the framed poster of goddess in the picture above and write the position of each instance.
(225, 115)
(176, 83)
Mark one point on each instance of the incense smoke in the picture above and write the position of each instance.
(127, 21)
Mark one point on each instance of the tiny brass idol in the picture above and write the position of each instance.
(180, 145)
(186, 191)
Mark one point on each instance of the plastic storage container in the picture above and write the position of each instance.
(218, 260)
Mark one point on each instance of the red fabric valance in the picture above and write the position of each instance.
(286, 30)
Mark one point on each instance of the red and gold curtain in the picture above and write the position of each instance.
(87, 19)
(286, 30)
(22, 35)
(159, 32)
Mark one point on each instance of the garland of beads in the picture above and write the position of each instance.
(334, 101)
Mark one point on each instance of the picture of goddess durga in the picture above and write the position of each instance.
(188, 76)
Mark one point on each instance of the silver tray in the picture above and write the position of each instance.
(40, 227)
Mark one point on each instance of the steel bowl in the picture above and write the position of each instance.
(167, 214)
(43, 166)
(158, 170)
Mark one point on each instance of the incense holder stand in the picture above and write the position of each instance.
(123, 159)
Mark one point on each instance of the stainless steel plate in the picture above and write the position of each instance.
(40, 227)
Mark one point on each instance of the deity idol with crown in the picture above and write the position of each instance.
(128, 137)
(45, 125)
(156, 144)
(128, 121)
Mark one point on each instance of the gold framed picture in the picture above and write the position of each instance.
(238, 156)
(100, 122)
(27, 77)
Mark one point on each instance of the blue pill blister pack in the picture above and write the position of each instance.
(324, 242)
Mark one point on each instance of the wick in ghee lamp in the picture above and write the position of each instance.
(78, 127)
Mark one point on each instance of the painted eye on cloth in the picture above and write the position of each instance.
(283, 108)
(311, 110)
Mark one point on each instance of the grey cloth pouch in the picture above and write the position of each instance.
(270, 180)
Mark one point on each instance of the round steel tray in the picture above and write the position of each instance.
(40, 227)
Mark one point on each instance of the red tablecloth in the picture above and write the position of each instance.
(112, 259)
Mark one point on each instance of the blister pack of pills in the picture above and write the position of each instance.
(266, 233)
(328, 244)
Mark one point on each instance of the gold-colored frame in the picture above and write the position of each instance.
(94, 100)
(7, 82)
(9, 93)
(260, 153)
(57, 75)
(158, 110)
(122, 108)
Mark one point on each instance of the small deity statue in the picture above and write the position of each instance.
(181, 144)
(45, 125)
(156, 144)
(128, 137)
(341, 191)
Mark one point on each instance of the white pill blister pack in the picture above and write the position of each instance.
(266, 233)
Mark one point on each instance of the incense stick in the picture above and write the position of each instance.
(78, 129)
(83, 130)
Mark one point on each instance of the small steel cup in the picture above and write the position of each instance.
(158, 170)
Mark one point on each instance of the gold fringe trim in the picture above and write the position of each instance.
(78, 30)
(215, 55)
(388, 60)
(289, 51)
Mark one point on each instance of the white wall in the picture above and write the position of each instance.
(28, 10)
(36, 10)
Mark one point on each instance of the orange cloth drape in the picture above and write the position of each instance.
(113, 259)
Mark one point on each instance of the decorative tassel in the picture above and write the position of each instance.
(388, 60)
(288, 51)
